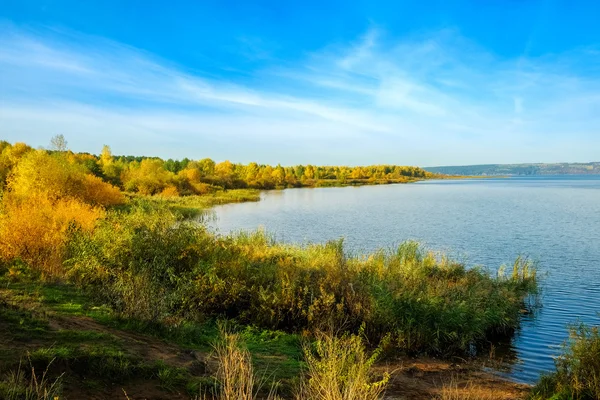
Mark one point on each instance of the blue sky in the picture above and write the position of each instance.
(421, 83)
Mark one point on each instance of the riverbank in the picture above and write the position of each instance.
(194, 205)
(91, 353)
(144, 269)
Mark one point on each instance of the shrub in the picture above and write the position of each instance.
(49, 198)
(95, 191)
(339, 369)
(39, 174)
(140, 261)
(577, 374)
(36, 230)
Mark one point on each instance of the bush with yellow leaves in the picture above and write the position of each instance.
(36, 230)
(47, 198)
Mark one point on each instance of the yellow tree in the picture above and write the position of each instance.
(309, 172)
(48, 198)
(278, 175)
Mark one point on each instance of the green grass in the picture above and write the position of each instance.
(195, 206)
(277, 356)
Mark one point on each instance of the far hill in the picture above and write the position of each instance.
(520, 169)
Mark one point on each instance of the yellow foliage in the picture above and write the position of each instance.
(40, 174)
(49, 196)
(148, 177)
(202, 188)
(36, 229)
(191, 174)
(9, 157)
(170, 191)
(96, 191)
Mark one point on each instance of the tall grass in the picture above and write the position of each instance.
(149, 265)
(27, 385)
(577, 374)
(340, 369)
(235, 373)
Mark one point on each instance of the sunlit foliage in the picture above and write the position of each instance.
(36, 229)
(52, 176)
(153, 176)
(47, 198)
(9, 157)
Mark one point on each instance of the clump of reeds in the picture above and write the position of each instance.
(577, 374)
(339, 368)
(235, 374)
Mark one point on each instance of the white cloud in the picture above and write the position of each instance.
(435, 99)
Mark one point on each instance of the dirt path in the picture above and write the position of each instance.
(147, 347)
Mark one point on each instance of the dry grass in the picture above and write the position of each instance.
(16, 386)
(235, 374)
(339, 369)
(469, 391)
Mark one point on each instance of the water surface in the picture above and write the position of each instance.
(553, 220)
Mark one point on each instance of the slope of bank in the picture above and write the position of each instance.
(86, 351)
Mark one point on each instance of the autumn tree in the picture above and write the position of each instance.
(49, 197)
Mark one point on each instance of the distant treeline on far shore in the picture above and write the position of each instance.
(152, 175)
(520, 169)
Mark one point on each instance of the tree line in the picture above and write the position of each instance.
(153, 175)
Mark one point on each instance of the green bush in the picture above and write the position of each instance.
(577, 374)
(140, 261)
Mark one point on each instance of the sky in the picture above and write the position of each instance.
(422, 83)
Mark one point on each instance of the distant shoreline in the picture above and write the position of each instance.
(534, 169)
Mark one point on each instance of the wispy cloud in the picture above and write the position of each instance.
(429, 99)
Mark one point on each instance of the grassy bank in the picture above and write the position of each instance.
(82, 349)
(423, 303)
(195, 205)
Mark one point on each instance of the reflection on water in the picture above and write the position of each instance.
(553, 220)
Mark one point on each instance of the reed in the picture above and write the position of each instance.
(577, 374)
(338, 368)
(21, 384)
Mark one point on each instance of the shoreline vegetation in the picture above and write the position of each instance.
(109, 290)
